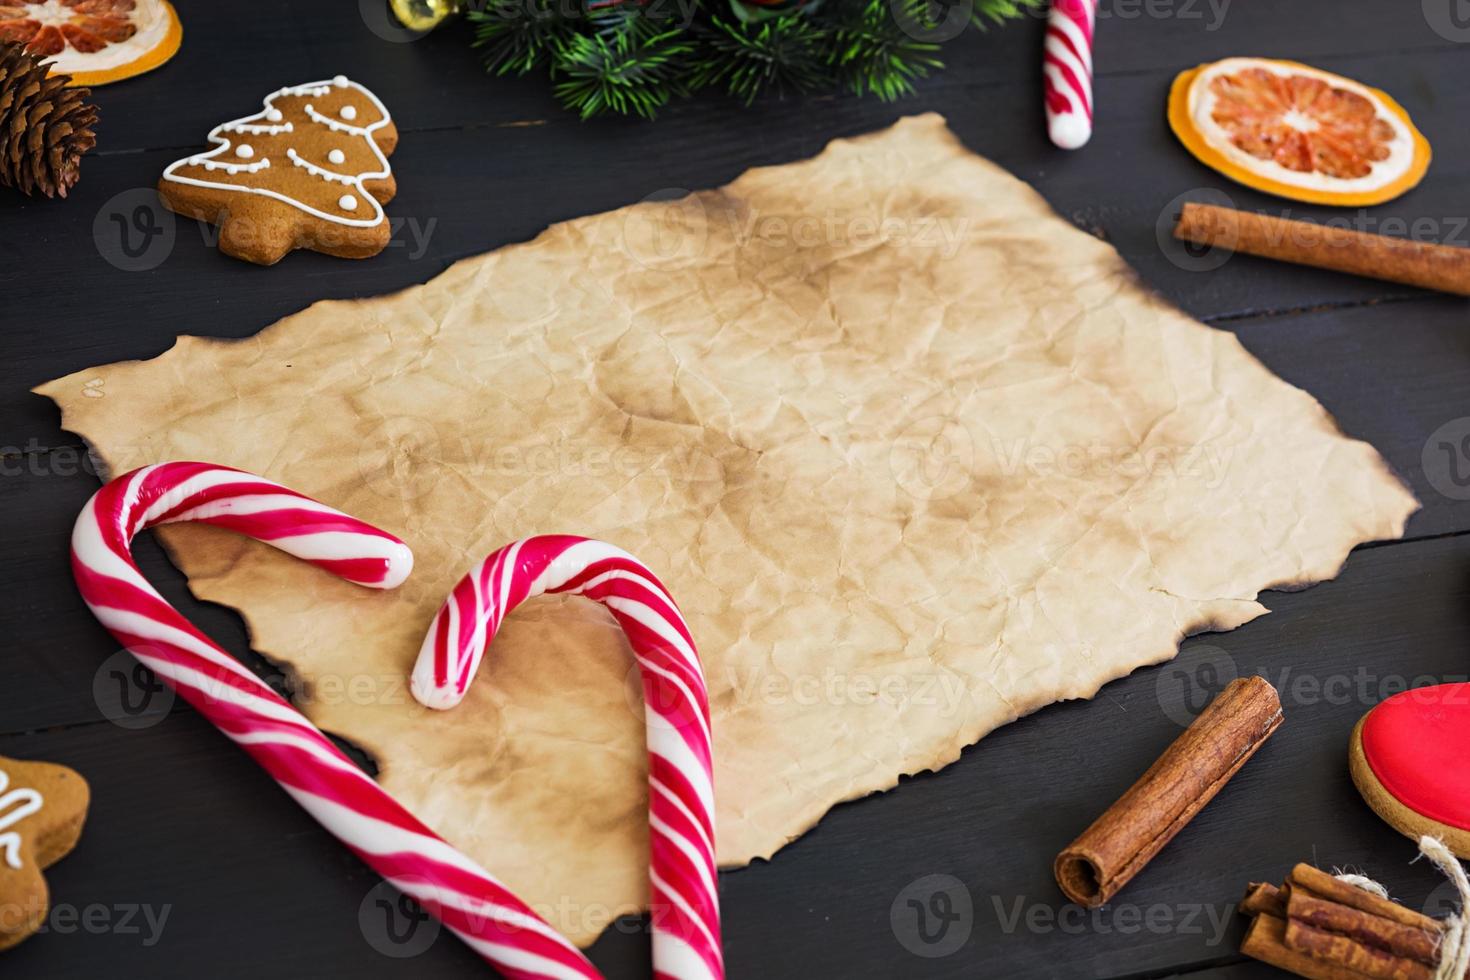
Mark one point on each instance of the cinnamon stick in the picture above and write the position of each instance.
(1324, 885)
(1187, 776)
(1262, 898)
(1265, 940)
(1365, 928)
(1400, 260)
(1361, 958)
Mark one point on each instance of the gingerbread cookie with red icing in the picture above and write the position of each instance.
(1409, 759)
(309, 170)
(42, 809)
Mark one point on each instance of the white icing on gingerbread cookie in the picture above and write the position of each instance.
(264, 130)
(237, 168)
(346, 112)
(315, 171)
(15, 806)
(273, 125)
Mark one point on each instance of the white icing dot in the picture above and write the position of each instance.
(274, 115)
(244, 151)
(339, 80)
(337, 156)
(347, 203)
(349, 112)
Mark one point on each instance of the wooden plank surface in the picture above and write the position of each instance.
(186, 827)
(183, 819)
(519, 164)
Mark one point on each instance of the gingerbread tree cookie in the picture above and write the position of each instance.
(42, 809)
(310, 170)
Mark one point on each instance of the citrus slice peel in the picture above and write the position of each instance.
(94, 41)
(1298, 132)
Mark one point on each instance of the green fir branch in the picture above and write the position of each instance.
(985, 12)
(517, 36)
(752, 58)
(878, 51)
(632, 57)
(629, 73)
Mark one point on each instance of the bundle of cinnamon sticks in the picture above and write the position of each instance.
(1320, 927)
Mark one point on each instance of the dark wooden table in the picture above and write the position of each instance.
(195, 865)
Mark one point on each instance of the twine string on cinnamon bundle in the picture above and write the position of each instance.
(1344, 927)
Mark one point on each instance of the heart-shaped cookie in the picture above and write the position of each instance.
(1409, 759)
(42, 809)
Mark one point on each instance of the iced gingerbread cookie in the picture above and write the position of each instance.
(42, 809)
(310, 170)
(1408, 758)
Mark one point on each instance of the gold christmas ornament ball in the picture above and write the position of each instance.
(422, 15)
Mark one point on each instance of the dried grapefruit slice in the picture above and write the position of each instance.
(94, 41)
(1297, 131)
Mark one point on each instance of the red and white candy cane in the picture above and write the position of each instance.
(466, 898)
(681, 805)
(1067, 72)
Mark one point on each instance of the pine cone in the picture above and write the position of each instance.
(45, 127)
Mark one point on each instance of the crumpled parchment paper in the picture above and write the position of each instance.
(915, 455)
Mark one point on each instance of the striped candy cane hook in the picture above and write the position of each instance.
(307, 765)
(686, 919)
(1067, 72)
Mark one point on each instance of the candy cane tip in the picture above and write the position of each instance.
(1070, 131)
(399, 567)
(429, 694)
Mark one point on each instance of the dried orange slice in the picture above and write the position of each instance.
(1296, 131)
(94, 41)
